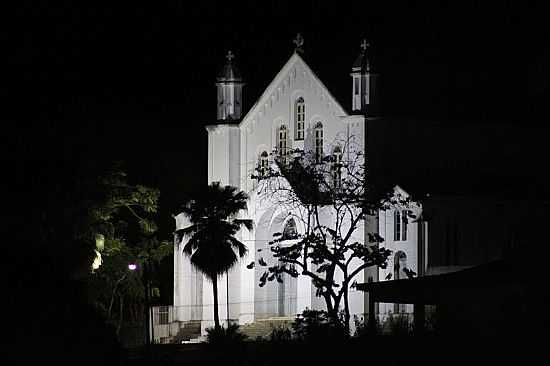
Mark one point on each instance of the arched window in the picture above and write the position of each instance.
(400, 222)
(290, 231)
(399, 265)
(318, 130)
(336, 167)
(396, 225)
(263, 164)
(299, 118)
(282, 140)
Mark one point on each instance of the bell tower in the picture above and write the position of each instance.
(365, 84)
(229, 84)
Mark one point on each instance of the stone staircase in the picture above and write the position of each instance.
(189, 330)
(262, 328)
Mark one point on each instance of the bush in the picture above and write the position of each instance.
(316, 326)
(398, 324)
(225, 336)
(364, 329)
(281, 334)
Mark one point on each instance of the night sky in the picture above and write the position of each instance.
(89, 84)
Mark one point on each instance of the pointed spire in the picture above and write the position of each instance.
(229, 84)
(299, 42)
(229, 72)
(362, 62)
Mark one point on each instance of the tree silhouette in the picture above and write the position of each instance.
(212, 245)
(121, 216)
(332, 199)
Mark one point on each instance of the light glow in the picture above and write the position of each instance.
(100, 242)
(97, 260)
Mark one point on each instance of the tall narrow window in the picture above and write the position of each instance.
(336, 167)
(163, 315)
(263, 164)
(300, 117)
(318, 142)
(396, 225)
(282, 143)
(404, 221)
(356, 86)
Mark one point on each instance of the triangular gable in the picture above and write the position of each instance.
(294, 60)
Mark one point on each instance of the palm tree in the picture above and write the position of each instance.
(212, 245)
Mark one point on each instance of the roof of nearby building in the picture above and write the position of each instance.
(434, 289)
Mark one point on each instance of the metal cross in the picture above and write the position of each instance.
(230, 56)
(364, 44)
(298, 41)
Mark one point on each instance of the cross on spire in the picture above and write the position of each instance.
(229, 56)
(299, 42)
(365, 45)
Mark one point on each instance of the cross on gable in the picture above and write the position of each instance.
(364, 44)
(229, 56)
(298, 41)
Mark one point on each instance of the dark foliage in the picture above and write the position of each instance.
(222, 336)
(316, 326)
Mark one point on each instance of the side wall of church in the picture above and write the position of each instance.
(409, 247)
(188, 283)
(224, 154)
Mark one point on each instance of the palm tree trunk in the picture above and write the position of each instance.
(216, 317)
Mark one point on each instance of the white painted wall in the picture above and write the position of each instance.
(409, 246)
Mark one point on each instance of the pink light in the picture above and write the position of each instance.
(132, 266)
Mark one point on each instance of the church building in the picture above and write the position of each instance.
(296, 111)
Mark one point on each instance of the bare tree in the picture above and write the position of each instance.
(330, 196)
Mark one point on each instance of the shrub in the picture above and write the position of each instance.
(398, 324)
(280, 334)
(225, 336)
(316, 326)
(364, 329)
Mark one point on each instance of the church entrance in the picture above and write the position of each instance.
(399, 265)
(287, 289)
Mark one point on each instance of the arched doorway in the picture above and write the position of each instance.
(399, 265)
(287, 294)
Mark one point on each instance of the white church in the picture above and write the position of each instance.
(295, 111)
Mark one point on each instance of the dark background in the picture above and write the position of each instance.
(89, 84)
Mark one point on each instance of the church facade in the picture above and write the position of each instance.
(296, 111)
